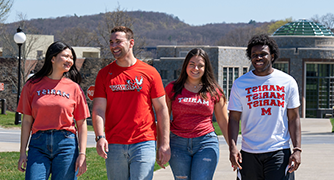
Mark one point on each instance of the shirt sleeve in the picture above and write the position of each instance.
(293, 99)
(24, 105)
(169, 90)
(100, 90)
(234, 103)
(81, 110)
(157, 88)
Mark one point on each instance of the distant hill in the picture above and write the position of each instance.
(157, 28)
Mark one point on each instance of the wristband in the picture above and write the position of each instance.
(82, 153)
(297, 149)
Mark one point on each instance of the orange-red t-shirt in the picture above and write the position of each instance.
(129, 92)
(53, 104)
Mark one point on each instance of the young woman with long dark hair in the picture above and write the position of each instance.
(54, 109)
(192, 99)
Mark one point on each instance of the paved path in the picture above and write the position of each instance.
(317, 155)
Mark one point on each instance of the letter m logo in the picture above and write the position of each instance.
(264, 111)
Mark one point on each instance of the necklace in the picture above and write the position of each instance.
(195, 86)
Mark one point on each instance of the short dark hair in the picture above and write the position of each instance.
(126, 30)
(263, 39)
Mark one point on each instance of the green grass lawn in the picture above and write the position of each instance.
(332, 122)
(96, 165)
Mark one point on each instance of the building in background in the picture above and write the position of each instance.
(33, 54)
(306, 53)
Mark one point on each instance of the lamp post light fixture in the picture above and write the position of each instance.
(19, 39)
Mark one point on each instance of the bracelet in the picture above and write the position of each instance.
(82, 153)
(297, 149)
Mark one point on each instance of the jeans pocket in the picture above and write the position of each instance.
(172, 135)
(68, 134)
(37, 135)
(211, 135)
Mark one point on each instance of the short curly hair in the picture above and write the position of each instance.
(263, 39)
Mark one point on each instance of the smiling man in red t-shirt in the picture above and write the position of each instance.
(125, 91)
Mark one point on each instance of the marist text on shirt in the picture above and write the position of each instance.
(194, 100)
(53, 92)
(265, 95)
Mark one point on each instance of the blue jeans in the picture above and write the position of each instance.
(194, 158)
(131, 161)
(52, 151)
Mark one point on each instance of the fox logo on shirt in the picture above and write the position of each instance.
(130, 86)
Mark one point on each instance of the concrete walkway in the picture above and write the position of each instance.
(317, 155)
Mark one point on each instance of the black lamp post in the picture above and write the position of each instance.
(19, 39)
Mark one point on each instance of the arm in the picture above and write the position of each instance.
(161, 111)
(295, 134)
(98, 118)
(221, 116)
(169, 105)
(82, 136)
(233, 131)
(25, 134)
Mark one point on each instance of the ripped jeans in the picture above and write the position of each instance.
(194, 158)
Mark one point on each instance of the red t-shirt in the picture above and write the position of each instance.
(192, 115)
(53, 104)
(129, 92)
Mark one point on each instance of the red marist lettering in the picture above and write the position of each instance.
(265, 88)
(264, 111)
(266, 102)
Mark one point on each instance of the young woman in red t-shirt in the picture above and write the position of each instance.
(192, 99)
(52, 104)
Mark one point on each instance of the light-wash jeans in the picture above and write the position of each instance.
(52, 151)
(131, 161)
(194, 158)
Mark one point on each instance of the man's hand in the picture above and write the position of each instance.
(102, 148)
(81, 164)
(163, 155)
(296, 158)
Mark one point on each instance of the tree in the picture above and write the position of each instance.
(273, 27)
(76, 36)
(5, 6)
(111, 19)
(31, 45)
(327, 20)
(239, 36)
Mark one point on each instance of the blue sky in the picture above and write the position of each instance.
(193, 12)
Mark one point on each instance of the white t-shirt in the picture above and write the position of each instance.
(263, 101)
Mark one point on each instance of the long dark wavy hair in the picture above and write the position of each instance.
(209, 83)
(53, 50)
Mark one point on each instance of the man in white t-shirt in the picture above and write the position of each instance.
(266, 102)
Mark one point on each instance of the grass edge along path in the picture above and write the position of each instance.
(95, 164)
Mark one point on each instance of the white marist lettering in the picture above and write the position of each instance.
(206, 102)
(66, 95)
(53, 92)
